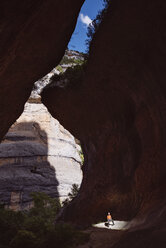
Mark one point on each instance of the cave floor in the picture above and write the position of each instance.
(118, 225)
(104, 237)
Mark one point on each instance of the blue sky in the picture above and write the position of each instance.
(88, 12)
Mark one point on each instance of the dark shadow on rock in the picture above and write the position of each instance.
(24, 167)
(119, 116)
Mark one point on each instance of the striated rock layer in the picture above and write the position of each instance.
(34, 36)
(37, 154)
(119, 113)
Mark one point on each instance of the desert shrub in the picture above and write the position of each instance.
(24, 239)
(64, 235)
(10, 223)
(72, 194)
(74, 74)
(44, 206)
(81, 156)
(93, 27)
(40, 218)
(66, 60)
(79, 61)
(36, 227)
(71, 77)
(59, 68)
(74, 191)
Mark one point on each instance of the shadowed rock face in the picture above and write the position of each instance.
(34, 35)
(118, 113)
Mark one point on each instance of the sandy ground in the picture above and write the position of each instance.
(118, 225)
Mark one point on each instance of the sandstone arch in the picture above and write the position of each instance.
(118, 114)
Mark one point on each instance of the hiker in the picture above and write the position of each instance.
(109, 219)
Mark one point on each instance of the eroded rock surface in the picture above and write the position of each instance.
(34, 36)
(118, 113)
(37, 155)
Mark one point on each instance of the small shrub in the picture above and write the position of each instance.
(44, 206)
(93, 27)
(74, 191)
(66, 60)
(36, 228)
(64, 235)
(81, 156)
(59, 68)
(71, 77)
(72, 195)
(24, 239)
(10, 223)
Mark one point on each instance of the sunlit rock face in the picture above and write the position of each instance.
(37, 155)
(34, 36)
(118, 113)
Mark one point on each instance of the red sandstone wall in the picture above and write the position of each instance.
(34, 35)
(118, 112)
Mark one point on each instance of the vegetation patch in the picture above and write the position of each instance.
(72, 194)
(93, 27)
(36, 227)
(81, 155)
(70, 78)
(67, 60)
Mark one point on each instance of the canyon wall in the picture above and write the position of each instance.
(34, 36)
(118, 112)
(37, 155)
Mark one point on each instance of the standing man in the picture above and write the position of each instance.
(109, 219)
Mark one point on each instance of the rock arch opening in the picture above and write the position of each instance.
(118, 113)
(119, 118)
(30, 116)
(37, 155)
